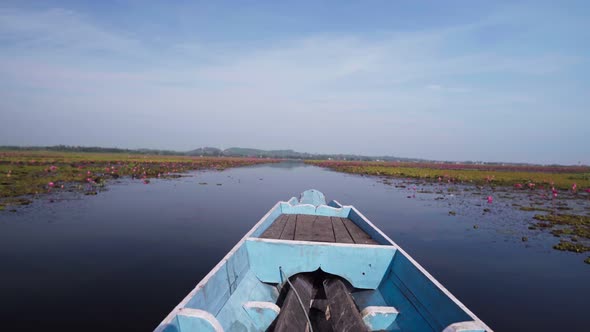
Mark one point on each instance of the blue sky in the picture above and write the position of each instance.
(452, 80)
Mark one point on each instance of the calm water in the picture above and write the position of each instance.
(123, 259)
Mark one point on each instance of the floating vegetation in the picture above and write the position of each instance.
(532, 208)
(14, 201)
(573, 247)
(576, 227)
(564, 219)
(566, 224)
(452, 213)
(587, 260)
(519, 177)
(27, 173)
(563, 231)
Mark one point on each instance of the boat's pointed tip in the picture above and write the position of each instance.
(312, 196)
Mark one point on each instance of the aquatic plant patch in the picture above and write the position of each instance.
(558, 192)
(522, 177)
(24, 174)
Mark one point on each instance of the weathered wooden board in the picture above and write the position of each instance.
(322, 230)
(343, 313)
(289, 230)
(304, 227)
(358, 235)
(292, 316)
(275, 230)
(341, 235)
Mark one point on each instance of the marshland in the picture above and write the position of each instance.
(128, 226)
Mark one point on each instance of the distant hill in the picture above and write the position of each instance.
(206, 151)
(245, 152)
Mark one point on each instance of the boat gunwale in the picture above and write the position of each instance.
(168, 319)
(322, 243)
(424, 271)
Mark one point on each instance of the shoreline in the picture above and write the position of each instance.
(26, 175)
(563, 214)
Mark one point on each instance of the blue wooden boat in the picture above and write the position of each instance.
(311, 266)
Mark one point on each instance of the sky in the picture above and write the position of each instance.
(445, 80)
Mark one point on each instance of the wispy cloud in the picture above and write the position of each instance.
(395, 84)
(59, 30)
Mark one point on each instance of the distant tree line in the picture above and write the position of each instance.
(96, 149)
(243, 152)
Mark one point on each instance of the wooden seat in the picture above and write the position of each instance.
(304, 227)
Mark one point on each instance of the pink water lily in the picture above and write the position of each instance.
(518, 186)
(51, 184)
(574, 187)
(490, 199)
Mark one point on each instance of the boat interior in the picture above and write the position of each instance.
(311, 266)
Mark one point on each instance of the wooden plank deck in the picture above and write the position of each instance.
(303, 227)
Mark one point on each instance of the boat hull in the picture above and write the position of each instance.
(391, 291)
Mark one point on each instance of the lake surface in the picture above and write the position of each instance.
(123, 259)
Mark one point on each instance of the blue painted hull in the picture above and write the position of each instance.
(392, 291)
